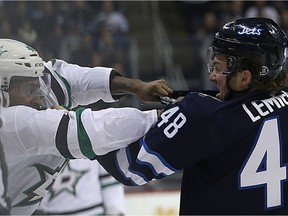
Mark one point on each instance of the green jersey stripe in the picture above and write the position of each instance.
(83, 138)
(65, 82)
(68, 88)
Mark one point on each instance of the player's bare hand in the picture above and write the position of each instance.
(150, 91)
(146, 91)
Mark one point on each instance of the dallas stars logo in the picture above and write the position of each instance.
(67, 181)
(36, 193)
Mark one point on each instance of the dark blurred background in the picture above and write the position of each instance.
(144, 39)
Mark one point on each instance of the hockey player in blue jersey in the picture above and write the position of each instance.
(233, 148)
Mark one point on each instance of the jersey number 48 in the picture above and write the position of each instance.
(172, 128)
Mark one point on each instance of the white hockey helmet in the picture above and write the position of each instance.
(18, 59)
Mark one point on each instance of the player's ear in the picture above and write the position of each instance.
(246, 78)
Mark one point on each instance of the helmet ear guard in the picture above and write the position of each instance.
(248, 37)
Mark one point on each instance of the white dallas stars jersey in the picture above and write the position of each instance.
(84, 187)
(36, 142)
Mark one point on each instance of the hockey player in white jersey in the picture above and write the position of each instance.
(36, 143)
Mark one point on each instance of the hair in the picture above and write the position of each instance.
(260, 83)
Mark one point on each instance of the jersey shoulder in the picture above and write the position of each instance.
(199, 104)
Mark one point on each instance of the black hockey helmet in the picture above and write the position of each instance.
(252, 37)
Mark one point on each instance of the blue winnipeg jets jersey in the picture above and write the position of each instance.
(234, 154)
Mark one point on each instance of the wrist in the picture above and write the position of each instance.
(123, 85)
(135, 86)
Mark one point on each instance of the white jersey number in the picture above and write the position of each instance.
(263, 167)
(172, 128)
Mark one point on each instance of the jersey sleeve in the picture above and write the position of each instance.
(81, 134)
(79, 85)
(171, 145)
